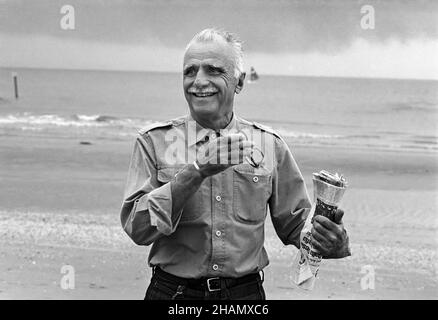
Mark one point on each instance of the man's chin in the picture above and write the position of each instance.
(204, 109)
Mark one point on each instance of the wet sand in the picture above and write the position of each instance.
(59, 205)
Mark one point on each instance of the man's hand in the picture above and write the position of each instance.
(329, 237)
(222, 153)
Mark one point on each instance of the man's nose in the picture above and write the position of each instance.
(201, 79)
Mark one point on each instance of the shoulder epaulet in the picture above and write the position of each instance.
(154, 125)
(267, 129)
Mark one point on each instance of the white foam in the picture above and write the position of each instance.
(80, 120)
(42, 120)
(84, 117)
(308, 135)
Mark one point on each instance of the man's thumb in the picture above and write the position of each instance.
(338, 216)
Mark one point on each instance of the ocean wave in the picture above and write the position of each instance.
(99, 118)
(415, 106)
(77, 120)
(28, 121)
(306, 135)
(111, 127)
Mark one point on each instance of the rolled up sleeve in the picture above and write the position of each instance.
(146, 212)
(289, 203)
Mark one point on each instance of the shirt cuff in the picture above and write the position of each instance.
(158, 204)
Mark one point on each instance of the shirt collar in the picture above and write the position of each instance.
(202, 133)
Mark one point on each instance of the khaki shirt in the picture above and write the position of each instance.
(220, 231)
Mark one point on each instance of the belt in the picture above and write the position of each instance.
(210, 284)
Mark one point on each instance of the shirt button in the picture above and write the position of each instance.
(255, 179)
(213, 135)
(218, 233)
(218, 198)
(215, 267)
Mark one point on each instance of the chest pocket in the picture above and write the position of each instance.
(194, 205)
(252, 189)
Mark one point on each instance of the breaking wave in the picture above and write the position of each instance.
(105, 126)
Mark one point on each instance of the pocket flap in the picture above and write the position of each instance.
(247, 169)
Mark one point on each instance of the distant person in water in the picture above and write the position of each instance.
(253, 76)
(199, 187)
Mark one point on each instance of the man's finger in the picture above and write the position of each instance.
(230, 144)
(224, 141)
(319, 237)
(236, 153)
(326, 234)
(321, 229)
(235, 137)
(326, 222)
(231, 149)
(246, 144)
(318, 246)
(338, 216)
(241, 154)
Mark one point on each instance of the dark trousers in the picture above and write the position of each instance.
(165, 286)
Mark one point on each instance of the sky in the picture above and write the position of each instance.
(285, 37)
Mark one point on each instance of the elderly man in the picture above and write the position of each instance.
(199, 187)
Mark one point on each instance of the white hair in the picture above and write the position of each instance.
(214, 34)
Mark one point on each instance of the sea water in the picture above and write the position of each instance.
(309, 111)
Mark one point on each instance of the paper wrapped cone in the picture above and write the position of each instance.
(326, 192)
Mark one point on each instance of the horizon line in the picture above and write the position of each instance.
(176, 72)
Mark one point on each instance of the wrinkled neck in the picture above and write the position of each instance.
(214, 124)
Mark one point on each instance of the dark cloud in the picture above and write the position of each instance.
(265, 26)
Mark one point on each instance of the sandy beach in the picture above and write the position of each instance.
(60, 206)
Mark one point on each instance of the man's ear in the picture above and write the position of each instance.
(240, 82)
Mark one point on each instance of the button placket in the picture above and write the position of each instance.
(218, 215)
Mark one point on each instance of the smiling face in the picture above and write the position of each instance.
(209, 82)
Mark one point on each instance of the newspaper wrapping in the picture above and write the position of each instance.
(328, 190)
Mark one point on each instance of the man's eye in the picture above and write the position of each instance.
(214, 71)
(189, 72)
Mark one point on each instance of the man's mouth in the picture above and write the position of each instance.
(203, 94)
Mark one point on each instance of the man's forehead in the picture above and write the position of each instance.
(205, 62)
(211, 52)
